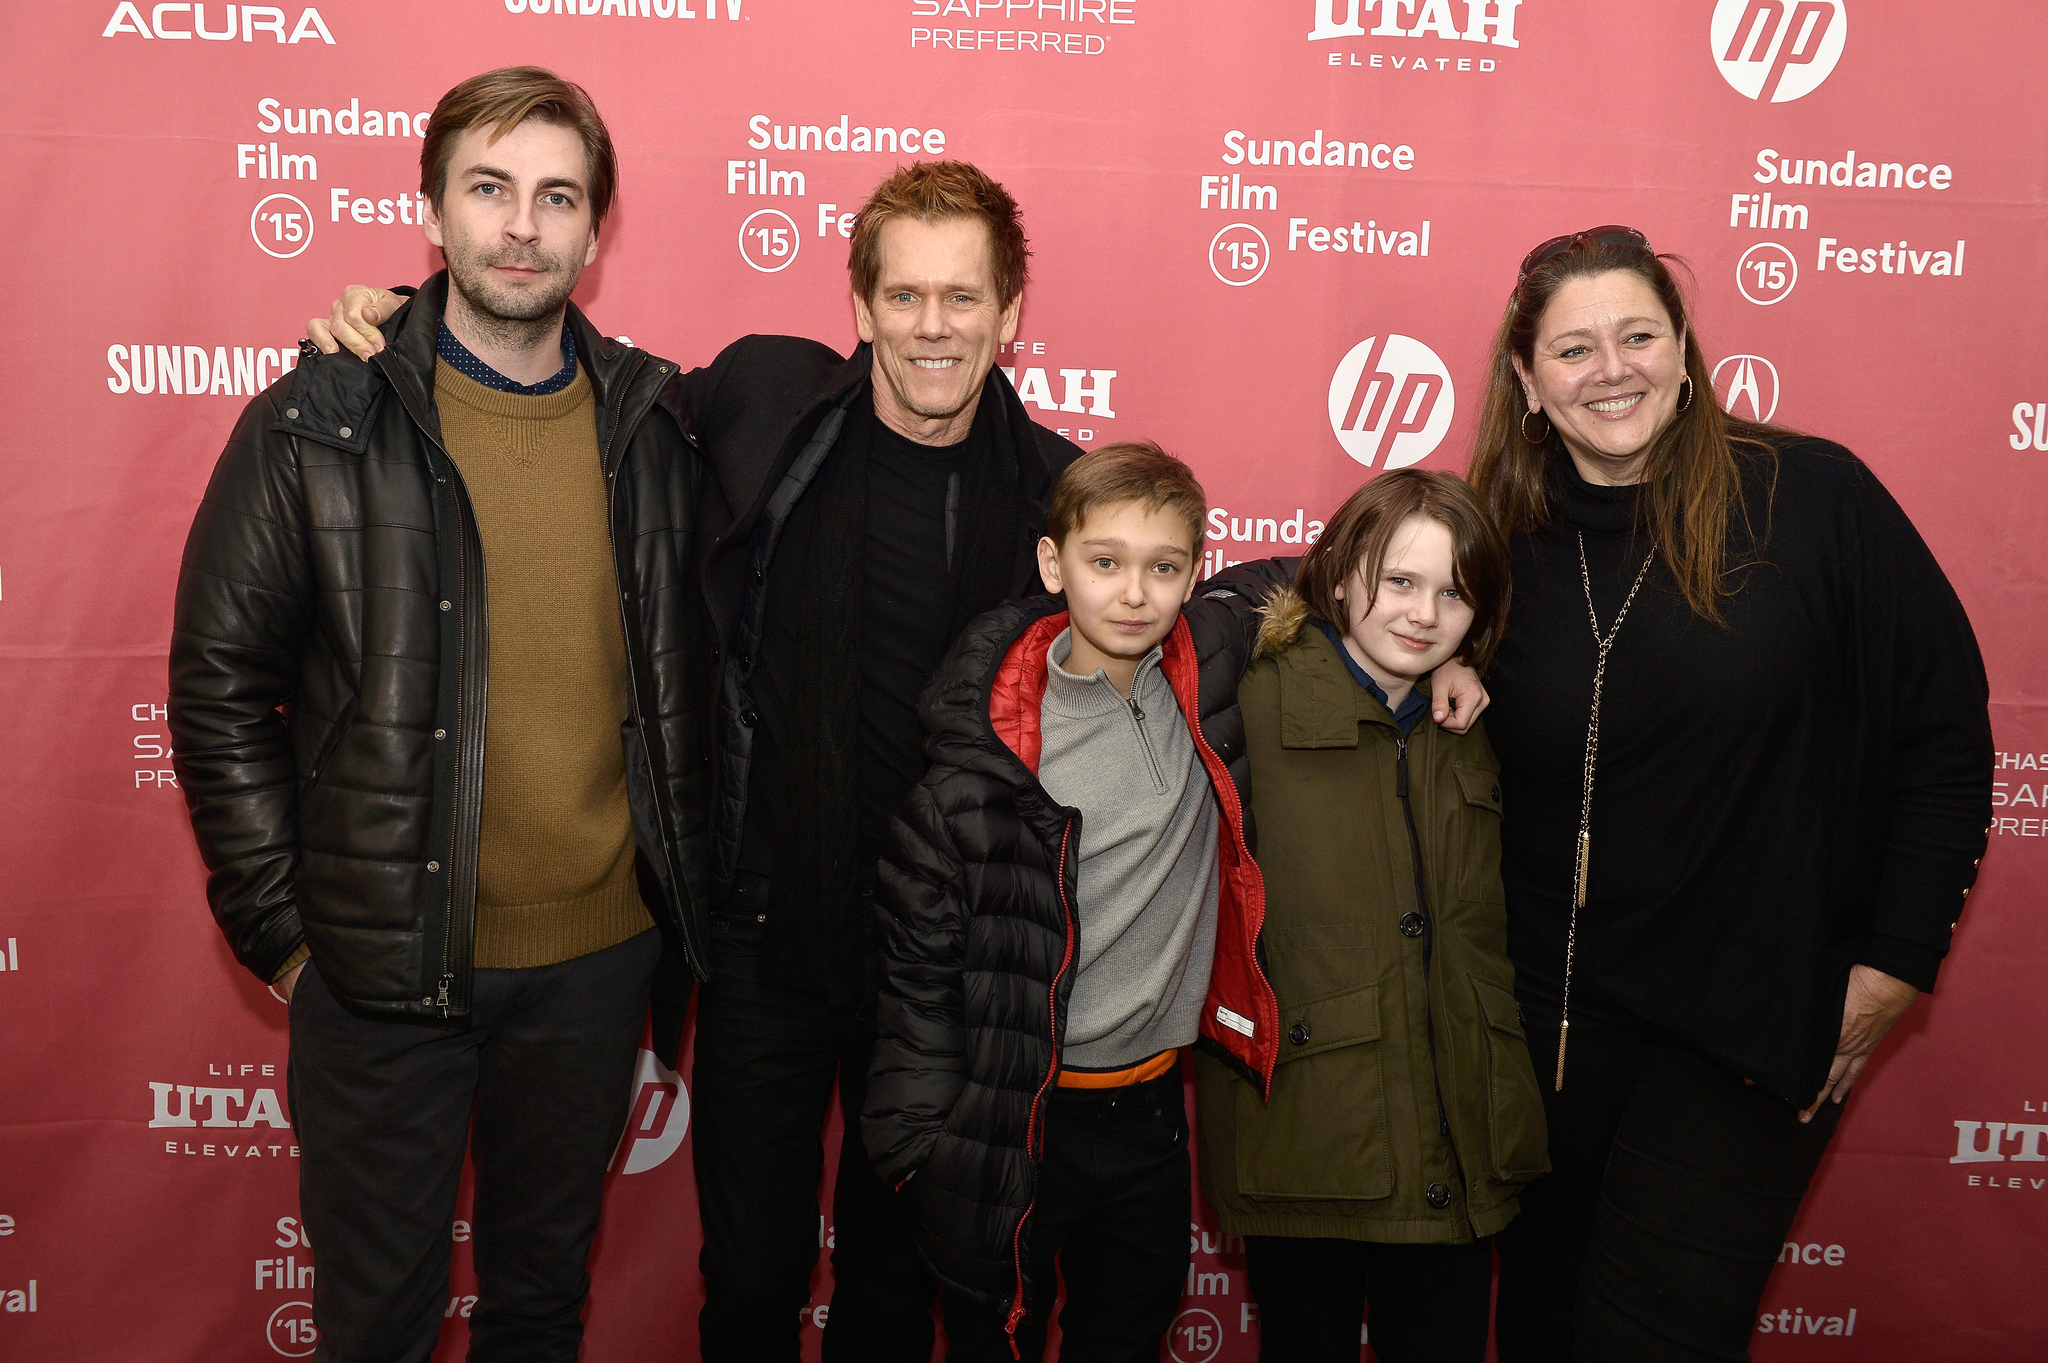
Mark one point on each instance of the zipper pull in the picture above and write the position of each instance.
(441, 999)
(1401, 766)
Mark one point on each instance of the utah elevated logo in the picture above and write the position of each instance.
(1778, 50)
(1391, 393)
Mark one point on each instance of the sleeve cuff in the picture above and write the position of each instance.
(293, 962)
(1914, 962)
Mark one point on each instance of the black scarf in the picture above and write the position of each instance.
(815, 936)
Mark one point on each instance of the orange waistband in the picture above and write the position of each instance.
(1159, 1064)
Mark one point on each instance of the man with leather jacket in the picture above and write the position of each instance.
(855, 514)
(443, 749)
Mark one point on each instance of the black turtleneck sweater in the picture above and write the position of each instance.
(1776, 801)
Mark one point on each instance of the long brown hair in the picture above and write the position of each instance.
(1693, 472)
(1357, 537)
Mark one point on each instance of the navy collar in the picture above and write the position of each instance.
(464, 362)
(1411, 708)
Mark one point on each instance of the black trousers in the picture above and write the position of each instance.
(762, 1083)
(1672, 1187)
(1111, 1217)
(1429, 1303)
(536, 1087)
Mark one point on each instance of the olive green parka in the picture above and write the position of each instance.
(1403, 1107)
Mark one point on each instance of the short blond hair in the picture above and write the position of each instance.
(1130, 471)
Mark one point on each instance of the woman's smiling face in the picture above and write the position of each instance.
(1606, 371)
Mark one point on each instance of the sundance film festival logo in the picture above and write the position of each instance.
(1391, 395)
(1748, 385)
(659, 1116)
(1778, 50)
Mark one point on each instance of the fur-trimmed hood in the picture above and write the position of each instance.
(1281, 621)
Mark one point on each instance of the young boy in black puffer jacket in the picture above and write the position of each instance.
(1050, 909)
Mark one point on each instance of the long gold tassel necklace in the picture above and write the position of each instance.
(1584, 861)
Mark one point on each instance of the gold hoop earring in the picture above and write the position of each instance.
(1538, 439)
(1685, 401)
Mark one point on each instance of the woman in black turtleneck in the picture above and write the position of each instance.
(1789, 787)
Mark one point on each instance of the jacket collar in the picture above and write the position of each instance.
(991, 704)
(1087, 696)
(1028, 471)
(1320, 704)
(851, 381)
(334, 398)
(414, 333)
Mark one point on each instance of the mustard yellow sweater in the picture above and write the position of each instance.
(555, 862)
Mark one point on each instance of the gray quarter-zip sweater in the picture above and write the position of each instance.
(1147, 869)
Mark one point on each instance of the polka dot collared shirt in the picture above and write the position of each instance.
(466, 363)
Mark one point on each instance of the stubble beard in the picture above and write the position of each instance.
(515, 319)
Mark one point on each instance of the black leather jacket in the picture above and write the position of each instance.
(328, 684)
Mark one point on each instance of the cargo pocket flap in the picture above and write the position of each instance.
(1479, 787)
(1502, 1012)
(1344, 1019)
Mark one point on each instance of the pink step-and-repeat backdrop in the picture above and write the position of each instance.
(1244, 216)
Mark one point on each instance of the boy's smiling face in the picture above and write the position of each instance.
(1127, 570)
(1411, 617)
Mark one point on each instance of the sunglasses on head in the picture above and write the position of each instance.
(1611, 235)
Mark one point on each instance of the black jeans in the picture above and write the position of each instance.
(1429, 1303)
(1112, 1210)
(536, 1087)
(1672, 1187)
(761, 1087)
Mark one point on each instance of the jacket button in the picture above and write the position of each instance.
(749, 718)
(440, 733)
(1411, 925)
(433, 866)
(345, 433)
(1438, 1195)
(447, 605)
(1298, 1034)
(291, 413)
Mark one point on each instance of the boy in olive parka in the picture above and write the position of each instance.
(1404, 1116)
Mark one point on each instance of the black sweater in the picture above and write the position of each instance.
(1776, 801)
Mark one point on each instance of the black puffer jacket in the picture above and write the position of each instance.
(328, 682)
(977, 927)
